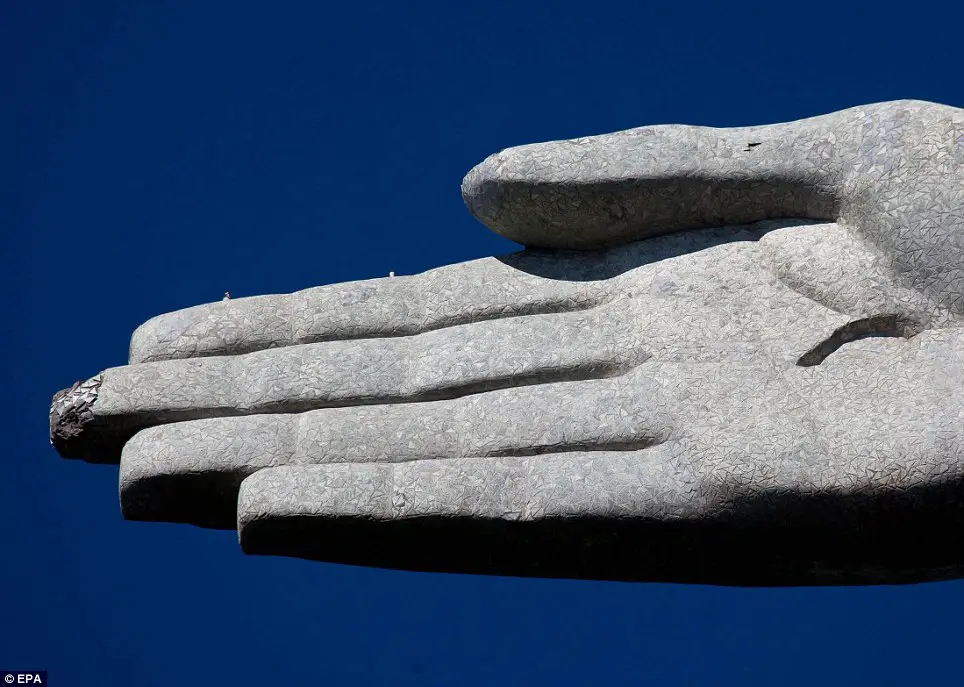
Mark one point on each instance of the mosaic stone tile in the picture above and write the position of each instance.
(728, 356)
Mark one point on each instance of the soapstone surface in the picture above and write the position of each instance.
(728, 356)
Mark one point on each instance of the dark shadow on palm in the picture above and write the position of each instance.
(602, 264)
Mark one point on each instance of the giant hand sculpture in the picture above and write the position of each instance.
(773, 394)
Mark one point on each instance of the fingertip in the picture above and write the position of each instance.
(483, 193)
(76, 433)
(300, 511)
(159, 490)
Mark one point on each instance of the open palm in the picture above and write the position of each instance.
(674, 381)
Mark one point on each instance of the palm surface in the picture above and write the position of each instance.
(679, 407)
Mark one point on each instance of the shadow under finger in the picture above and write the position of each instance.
(775, 538)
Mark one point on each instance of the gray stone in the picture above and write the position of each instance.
(727, 356)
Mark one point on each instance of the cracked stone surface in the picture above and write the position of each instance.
(727, 356)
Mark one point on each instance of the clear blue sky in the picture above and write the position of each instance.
(156, 154)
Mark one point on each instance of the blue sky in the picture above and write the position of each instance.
(156, 154)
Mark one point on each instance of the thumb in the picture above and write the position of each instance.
(625, 186)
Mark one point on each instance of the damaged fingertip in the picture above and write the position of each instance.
(70, 412)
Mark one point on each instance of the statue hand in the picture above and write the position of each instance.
(892, 173)
(694, 407)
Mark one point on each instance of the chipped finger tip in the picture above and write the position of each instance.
(77, 433)
(70, 412)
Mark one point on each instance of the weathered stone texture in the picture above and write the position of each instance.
(726, 355)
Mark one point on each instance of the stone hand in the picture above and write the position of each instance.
(751, 401)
